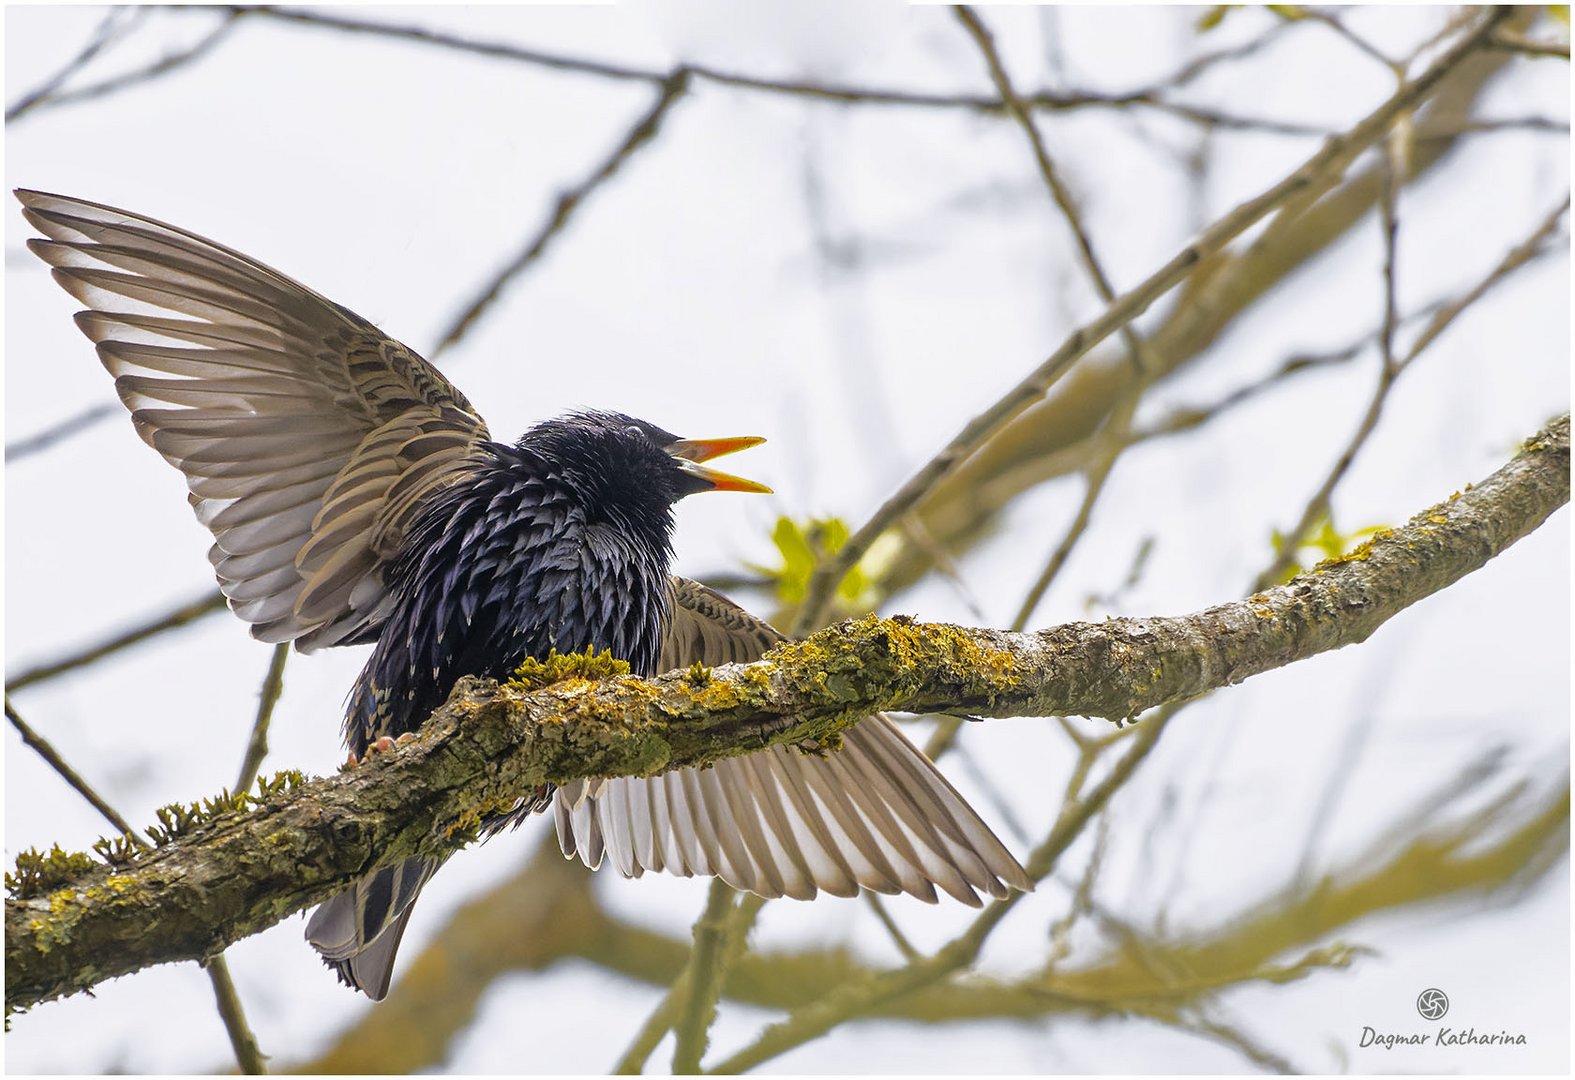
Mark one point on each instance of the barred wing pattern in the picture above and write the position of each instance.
(308, 438)
(877, 814)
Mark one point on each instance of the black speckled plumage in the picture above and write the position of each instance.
(561, 542)
(355, 497)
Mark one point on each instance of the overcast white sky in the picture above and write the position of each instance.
(691, 291)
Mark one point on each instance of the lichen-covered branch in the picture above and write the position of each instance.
(226, 876)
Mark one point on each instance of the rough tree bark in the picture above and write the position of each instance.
(231, 874)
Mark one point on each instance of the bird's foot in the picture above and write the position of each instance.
(380, 745)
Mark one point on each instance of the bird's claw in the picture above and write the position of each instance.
(381, 745)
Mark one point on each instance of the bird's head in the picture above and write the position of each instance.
(632, 465)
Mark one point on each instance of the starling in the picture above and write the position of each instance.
(355, 497)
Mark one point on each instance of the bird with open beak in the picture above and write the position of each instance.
(356, 497)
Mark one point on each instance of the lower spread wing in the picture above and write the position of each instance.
(876, 814)
(308, 438)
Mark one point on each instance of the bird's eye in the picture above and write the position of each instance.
(636, 430)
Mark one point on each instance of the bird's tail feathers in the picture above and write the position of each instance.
(357, 932)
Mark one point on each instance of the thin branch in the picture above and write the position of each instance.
(1317, 506)
(29, 445)
(241, 1038)
(1508, 39)
(644, 131)
(1313, 176)
(1115, 439)
(257, 745)
(830, 93)
(653, 1031)
(103, 34)
(1243, 1044)
(874, 902)
(1047, 170)
(1361, 44)
(1193, 69)
(701, 980)
(186, 613)
(47, 751)
(230, 874)
(1389, 369)
(1184, 418)
(247, 1053)
(1528, 250)
(497, 50)
(161, 67)
(1491, 125)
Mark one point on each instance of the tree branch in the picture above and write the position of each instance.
(234, 874)
(1289, 198)
(1050, 439)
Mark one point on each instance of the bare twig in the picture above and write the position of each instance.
(1058, 192)
(1491, 125)
(1243, 1044)
(1392, 366)
(1508, 39)
(1187, 417)
(805, 90)
(1114, 440)
(1527, 251)
(247, 1053)
(242, 1040)
(229, 1002)
(497, 50)
(46, 750)
(102, 35)
(188, 612)
(893, 931)
(1362, 45)
(1193, 69)
(158, 68)
(257, 745)
(29, 445)
(643, 131)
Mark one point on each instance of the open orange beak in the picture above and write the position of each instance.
(691, 452)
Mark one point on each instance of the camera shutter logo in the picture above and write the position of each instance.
(1432, 1004)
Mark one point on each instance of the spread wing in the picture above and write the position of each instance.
(876, 814)
(308, 439)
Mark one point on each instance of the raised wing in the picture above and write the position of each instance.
(876, 814)
(308, 438)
